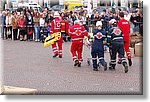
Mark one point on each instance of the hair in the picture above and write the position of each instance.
(114, 24)
(121, 14)
(104, 10)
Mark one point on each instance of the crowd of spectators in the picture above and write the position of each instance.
(31, 25)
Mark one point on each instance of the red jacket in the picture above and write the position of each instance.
(22, 23)
(64, 26)
(55, 25)
(77, 32)
(124, 25)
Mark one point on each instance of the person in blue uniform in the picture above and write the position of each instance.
(116, 38)
(98, 47)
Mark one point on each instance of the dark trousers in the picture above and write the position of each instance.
(29, 36)
(117, 47)
(22, 34)
(4, 32)
(15, 32)
(97, 51)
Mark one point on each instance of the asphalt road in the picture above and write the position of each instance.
(30, 65)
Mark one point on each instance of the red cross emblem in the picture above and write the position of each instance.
(78, 32)
(117, 31)
(99, 35)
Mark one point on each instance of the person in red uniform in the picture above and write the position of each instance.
(77, 33)
(56, 27)
(64, 27)
(124, 25)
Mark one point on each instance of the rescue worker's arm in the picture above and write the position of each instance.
(109, 37)
(85, 32)
(119, 24)
(67, 26)
(70, 32)
(104, 38)
(52, 27)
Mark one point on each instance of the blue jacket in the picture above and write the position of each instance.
(99, 37)
(3, 20)
(115, 35)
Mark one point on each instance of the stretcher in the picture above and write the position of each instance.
(51, 39)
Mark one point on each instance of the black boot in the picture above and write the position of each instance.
(129, 61)
(119, 62)
(113, 66)
(105, 66)
(95, 69)
(55, 55)
(110, 66)
(125, 67)
(60, 56)
(76, 63)
(79, 64)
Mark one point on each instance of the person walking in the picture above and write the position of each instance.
(14, 22)
(124, 25)
(116, 38)
(56, 28)
(77, 33)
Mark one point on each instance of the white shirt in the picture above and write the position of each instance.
(8, 20)
(42, 21)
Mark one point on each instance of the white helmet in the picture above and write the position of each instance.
(98, 23)
(112, 21)
(56, 14)
(77, 22)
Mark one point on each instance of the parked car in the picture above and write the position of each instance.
(58, 8)
(30, 5)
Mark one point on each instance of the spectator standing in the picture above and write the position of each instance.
(29, 21)
(22, 27)
(49, 17)
(36, 20)
(44, 32)
(3, 20)
(14, 22)
(134, 20)
(8, 25)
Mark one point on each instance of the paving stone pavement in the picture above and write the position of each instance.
(30, 65)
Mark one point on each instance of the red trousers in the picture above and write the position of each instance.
(57, 49)
(76, 50)
(126, 47)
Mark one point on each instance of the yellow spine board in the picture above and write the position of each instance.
(52, 39)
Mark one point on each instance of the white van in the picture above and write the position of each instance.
(30, 5)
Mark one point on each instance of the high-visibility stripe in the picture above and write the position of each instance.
(94, 58)
(54, 48)
(113, 63)
(113, 60)
(57, 28)
(74, 57)
(101, 58)
(117, 38)
(55, 51)
(109, 36)
(84, 31)
(72, 33)
(77, 39)
(123, 58)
